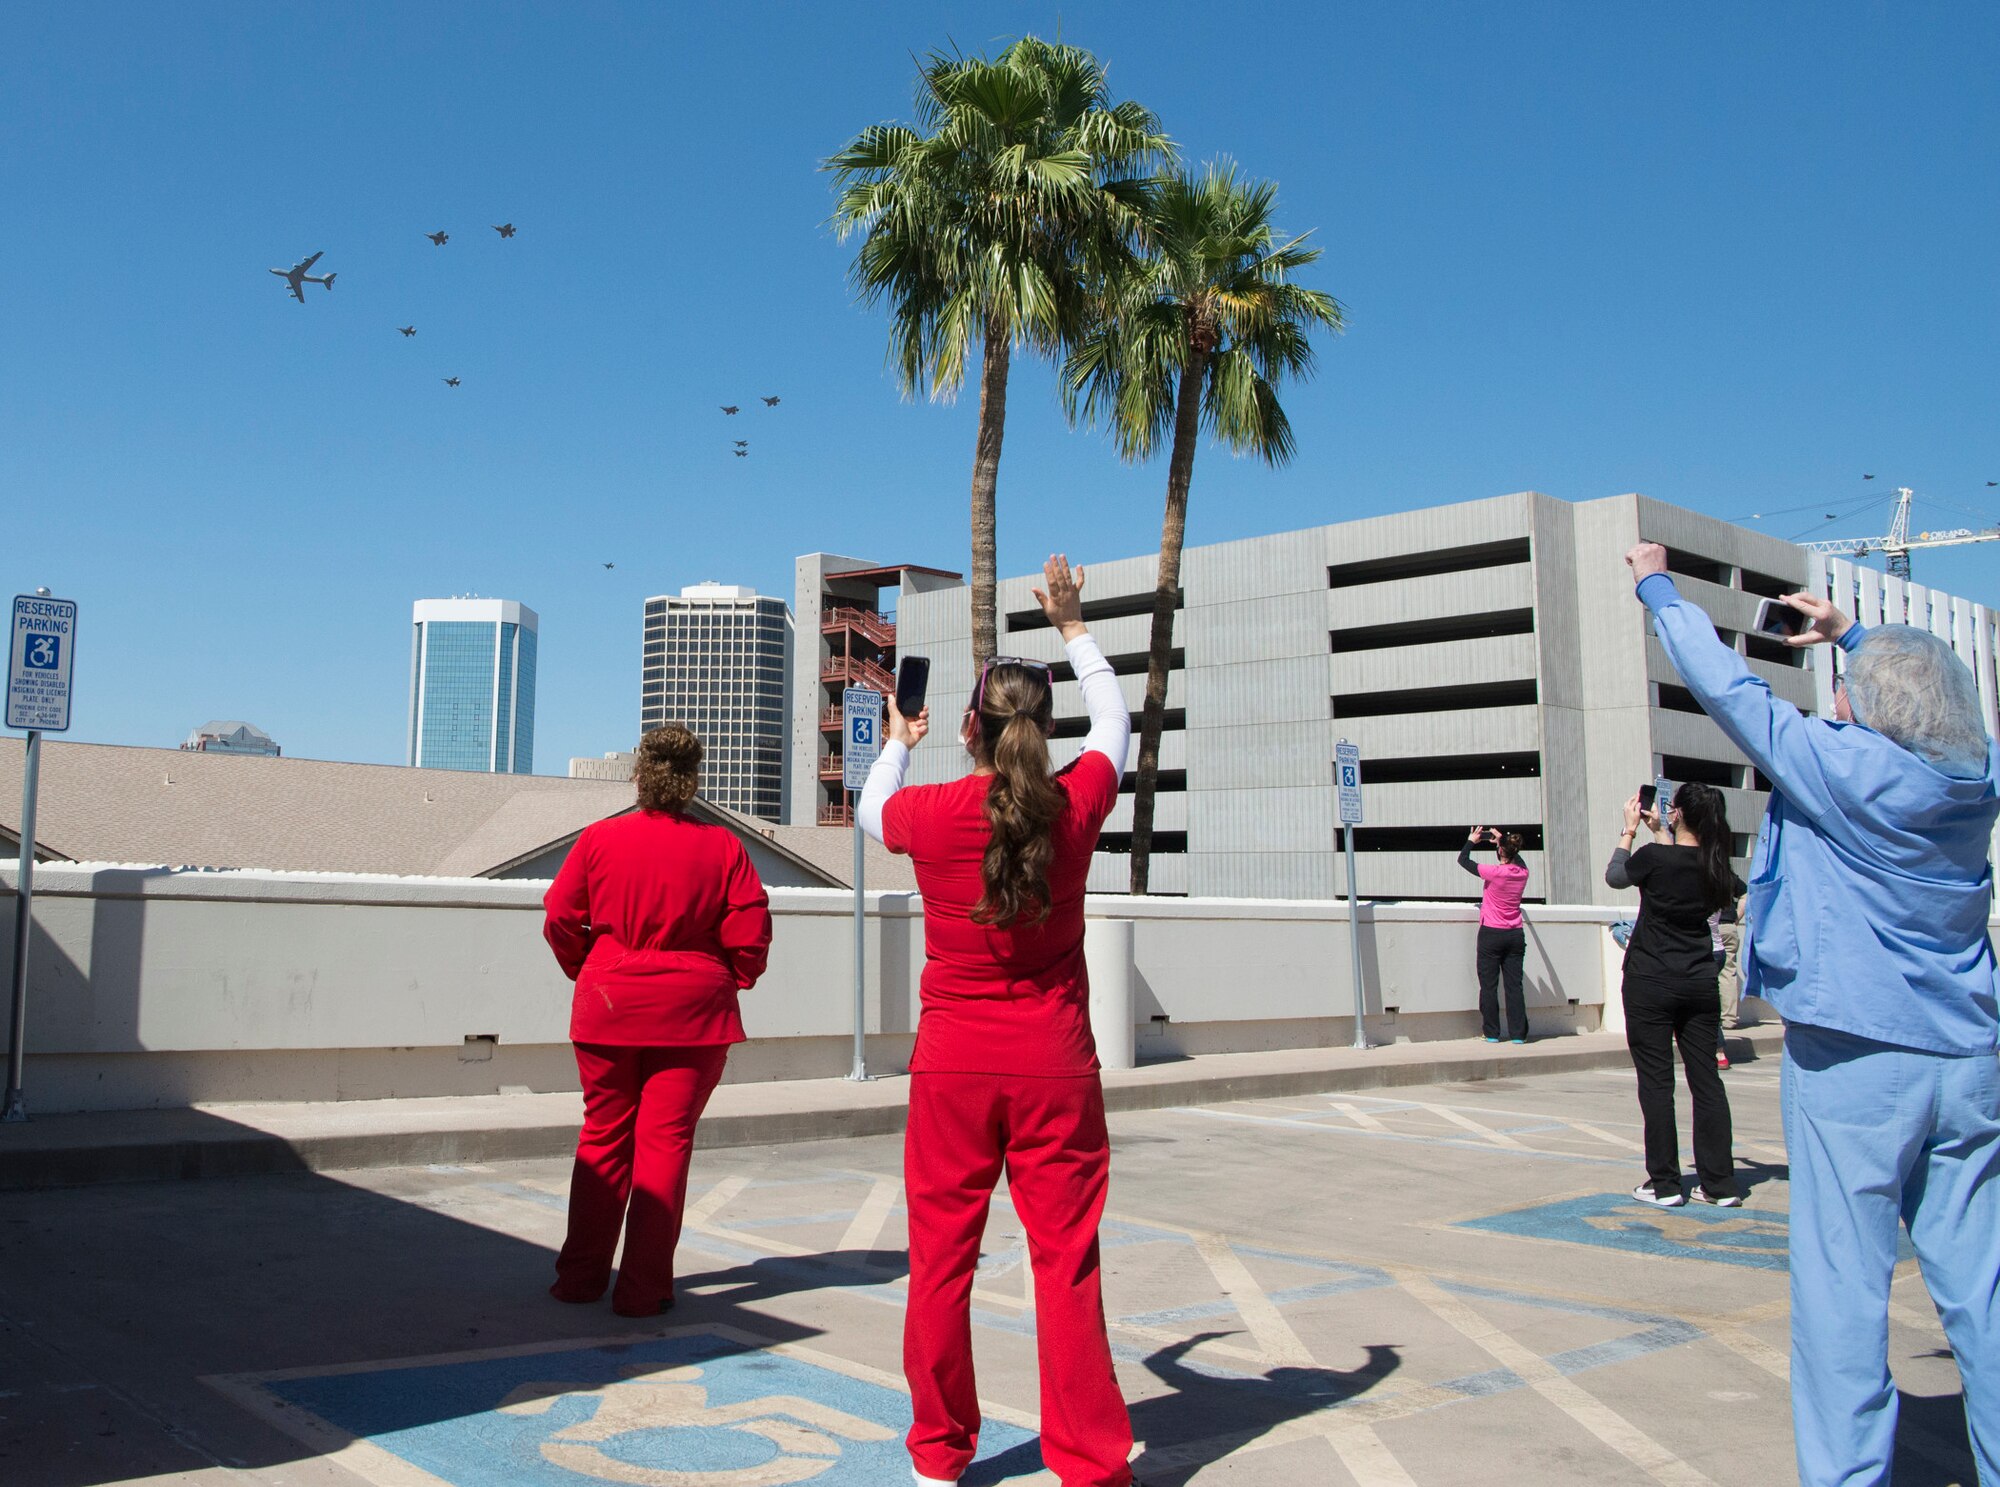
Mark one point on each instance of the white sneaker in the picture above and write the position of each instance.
(933, 1481)
(1645, 1194)
(1732, 1201)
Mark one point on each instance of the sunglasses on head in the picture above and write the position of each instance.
(979, 687)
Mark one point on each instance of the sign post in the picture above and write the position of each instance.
(41, 648)
(1347, 782)
(861, 745)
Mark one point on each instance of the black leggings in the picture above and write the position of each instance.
(1656, 1018)
(1501, 953)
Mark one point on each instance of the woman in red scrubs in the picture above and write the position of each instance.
(660, 921)
(1005, 1070)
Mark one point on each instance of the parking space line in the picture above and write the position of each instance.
(873, 1214)
(1367, 1458)
(1466, 1122)
(1359, 1116)
(1451, 1142)
(1755, 1350)
(1266, 1323)
(1592, 1413)
(715, 1199)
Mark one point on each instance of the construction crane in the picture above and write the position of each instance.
(1899, 544)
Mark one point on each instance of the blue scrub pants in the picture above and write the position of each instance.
(1878, 1134)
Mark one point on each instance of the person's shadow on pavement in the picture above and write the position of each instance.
(1207, 1416)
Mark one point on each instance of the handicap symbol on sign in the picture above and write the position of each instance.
(864, 731)
(1349, 776)
(42, 652)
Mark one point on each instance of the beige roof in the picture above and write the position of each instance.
(103, 803)
(830, 849)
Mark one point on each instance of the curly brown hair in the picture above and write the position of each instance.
(668, 769)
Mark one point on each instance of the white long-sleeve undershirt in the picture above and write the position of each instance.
(1110, 732)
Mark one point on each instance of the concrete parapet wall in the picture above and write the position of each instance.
(155, 987)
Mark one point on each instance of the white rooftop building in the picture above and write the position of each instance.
(232, 736)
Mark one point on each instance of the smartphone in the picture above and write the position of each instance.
(1777, 618)
(1647, 795)
(913, 679)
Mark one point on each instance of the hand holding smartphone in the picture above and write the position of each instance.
(913, 679)
(1779, 620)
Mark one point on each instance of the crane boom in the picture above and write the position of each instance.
(1898, 544)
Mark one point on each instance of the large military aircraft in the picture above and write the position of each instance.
(297, 277)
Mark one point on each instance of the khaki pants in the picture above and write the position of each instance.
(1730, 981)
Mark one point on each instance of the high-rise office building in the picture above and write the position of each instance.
(472, 685)
(715, 660)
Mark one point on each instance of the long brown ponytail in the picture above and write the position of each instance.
(1010, 733)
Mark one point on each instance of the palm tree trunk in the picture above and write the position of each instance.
(1166, 597)
(985, 486)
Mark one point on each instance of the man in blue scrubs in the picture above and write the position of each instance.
(1869, 899)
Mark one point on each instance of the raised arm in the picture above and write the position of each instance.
(1110, 723)
(1616, 874)
(1465, 852)
(1774, 735)
(886, 778)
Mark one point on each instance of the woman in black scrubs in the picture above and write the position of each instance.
(1683, 877)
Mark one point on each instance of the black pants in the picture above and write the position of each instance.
(1501, 952)
(1656, 1018)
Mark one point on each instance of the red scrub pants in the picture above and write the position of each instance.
(640, 1106)
(1049, 1134)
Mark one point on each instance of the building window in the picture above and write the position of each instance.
(1434, 699)
(1467, 559)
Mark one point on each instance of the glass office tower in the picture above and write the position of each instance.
(472, 685)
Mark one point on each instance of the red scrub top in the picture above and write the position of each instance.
(1001, 1001)
(660, 921)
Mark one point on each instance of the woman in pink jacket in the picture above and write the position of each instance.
(1503, 943)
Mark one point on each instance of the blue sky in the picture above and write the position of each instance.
(1733, 257)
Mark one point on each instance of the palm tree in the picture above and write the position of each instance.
(1021, 184)
(1199, 334)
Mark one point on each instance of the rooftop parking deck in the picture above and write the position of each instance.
(1410, 1287)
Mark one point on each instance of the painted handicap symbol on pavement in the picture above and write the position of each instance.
(1750, 1237)
(671, 1400)
(696, 1407)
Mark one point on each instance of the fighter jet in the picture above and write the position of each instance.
(505, 229)
(296, 277)
(440, 238)
(770, 402)
(610, 565)
(451, 382)
(745, 444)
(408, 330)
(731, 409)
(742, 454)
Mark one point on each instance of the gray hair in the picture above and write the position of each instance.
(1906, 684)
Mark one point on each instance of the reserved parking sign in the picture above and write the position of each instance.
(41, 651)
